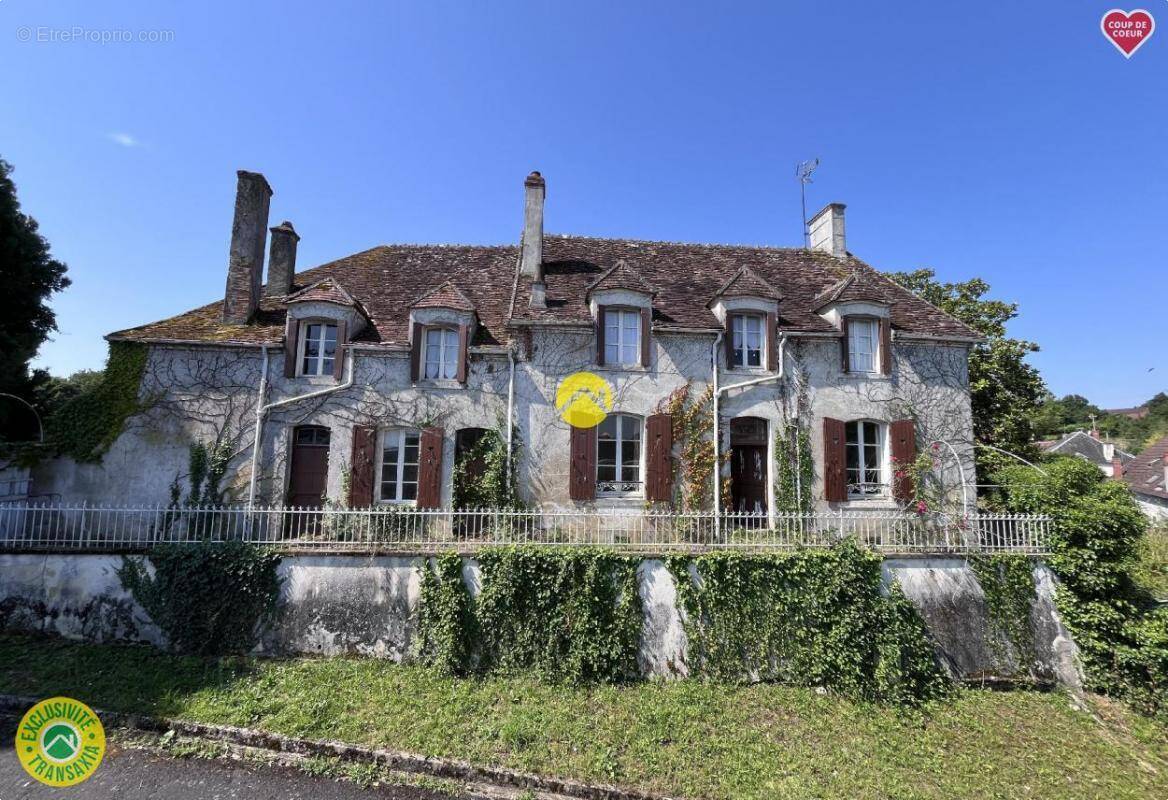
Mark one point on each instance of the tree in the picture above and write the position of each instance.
(30, 275)
(1004, 390)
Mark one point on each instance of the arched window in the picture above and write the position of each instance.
(618, 455)
(867, 472)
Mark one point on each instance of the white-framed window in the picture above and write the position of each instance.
(398, 481)
(863, 344)
(618, 455)
(440, 352)
(622, 336)
(318, 348)
(749, 339)
(866, 471)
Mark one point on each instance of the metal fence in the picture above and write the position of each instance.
(64, 528)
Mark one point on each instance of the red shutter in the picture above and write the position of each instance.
(339, 353)
(361, 475)
(416, 353)
(582, 464)
(463, 342)
(772, 348)
(600, 311)
(658, 461)
(835, 480)
(904, 452)
(728, 339)
(886, 347)
(291, 336)
(430, 469)
(646, 329)
(845, 325)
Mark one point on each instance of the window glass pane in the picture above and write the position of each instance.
(330, 333)
(409, 491)
(871, 431)
(607, 428)
(861, 344)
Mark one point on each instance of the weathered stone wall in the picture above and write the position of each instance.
(350, 604)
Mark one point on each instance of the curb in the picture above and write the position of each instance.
(328, 748)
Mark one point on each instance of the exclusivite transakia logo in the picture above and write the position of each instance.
(60, 741)
(1128, 30)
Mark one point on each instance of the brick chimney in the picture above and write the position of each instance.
(281, 260)
(1116, 468)
(249, 233)
(826, 230)
(531, 259)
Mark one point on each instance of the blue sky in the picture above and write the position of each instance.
(1008, 141)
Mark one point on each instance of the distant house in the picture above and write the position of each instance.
(1147, 475)
(1131, 413)
(1088, 446)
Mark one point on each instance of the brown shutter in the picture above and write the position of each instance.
(904, 452)
(416, 353)
(728, 339)
(658, 463)
(844, 326)
(772, 349)
(646, 328)
(430, 469)
(291, 336)
(886, 347)
(582, 464)
(835, 479)
(339, 353)
(600, 310)
(463, 342)
(361, 476)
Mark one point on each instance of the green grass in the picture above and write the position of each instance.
(1151, 571)
(684, 738)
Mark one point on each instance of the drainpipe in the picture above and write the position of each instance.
(510, 408)
(255, 448)
(262, 411)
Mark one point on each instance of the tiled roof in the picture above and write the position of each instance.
(745, 283)
(325, 291)
(1084, 445)
(621, 276)
(445, 296)
(385, 280)
(1145, 474)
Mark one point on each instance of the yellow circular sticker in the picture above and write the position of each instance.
(584, 399)
(60, 741)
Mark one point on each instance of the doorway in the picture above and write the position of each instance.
(748, 465)
(308, 474)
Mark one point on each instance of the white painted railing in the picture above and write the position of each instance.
(55, 527)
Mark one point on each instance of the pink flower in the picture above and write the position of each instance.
(922, 506)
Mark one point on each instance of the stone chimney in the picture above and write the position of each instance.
(1116, 468)
(826, 230)
(281, 260)
(249, 233)
(531, 260)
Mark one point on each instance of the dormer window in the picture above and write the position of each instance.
(748, 332)
(440, 353)
(622, 336)
(318, 348)
(863, 341)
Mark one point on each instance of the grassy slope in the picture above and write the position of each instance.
(685, 738)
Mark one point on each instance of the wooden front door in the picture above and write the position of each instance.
(309, 470)
(748, 465)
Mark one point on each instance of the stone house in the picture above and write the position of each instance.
(362, 381)
(1088, 446)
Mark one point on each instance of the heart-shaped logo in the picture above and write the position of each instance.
(1128, 30)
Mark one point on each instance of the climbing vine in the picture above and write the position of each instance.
(693, 436)
(86, 425)
(808, 618)
(480, 477)
(794, 469)
(1008, 584)
(207, 466)
(447, 630)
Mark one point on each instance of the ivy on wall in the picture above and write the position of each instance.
(1007, 581)
(693, 436)
(207, 466)
(807, 618)
(794, 469)
(492, 486)
(85, 426)
(447, 628)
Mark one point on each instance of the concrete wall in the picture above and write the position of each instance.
(344, 604)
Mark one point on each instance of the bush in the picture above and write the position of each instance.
(209, 598)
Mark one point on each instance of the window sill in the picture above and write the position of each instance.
(439, 383)
(761, 372)
(317, 380)
(397, 503)
(868, 504)
(867, 376)
(620, 501)
(620, 368)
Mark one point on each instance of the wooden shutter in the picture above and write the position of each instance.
(416, 353)
(646, 326)
(904, 452)
(772, 346)
(463, 346)
(885, 347)
(845, 326)
(430, 469)
(658, 461)
(362, 467)
(600, 312)
(582, 464)
(339, 353)
(835, 480)
(728, 339)
(291, 342)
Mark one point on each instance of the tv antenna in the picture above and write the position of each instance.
(803, 172)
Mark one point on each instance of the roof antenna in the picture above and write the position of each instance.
(803, 172)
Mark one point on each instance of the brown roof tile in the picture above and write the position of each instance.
(445, 296)
(324, 291)
(745, 283)
(620, 276)
(1145, 473)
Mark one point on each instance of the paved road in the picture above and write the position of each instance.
(131, 774)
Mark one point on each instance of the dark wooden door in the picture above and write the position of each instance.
(748, 465)
(309, 471)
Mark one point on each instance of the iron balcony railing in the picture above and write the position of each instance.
(56, 527)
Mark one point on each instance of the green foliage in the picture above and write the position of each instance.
(207, 465)
(807, 618)
(693, 435)
(1151, 568)
(208, 597)
(1097, 529)
(794, 469)
(1004, 389)
(570, 614)
(85, 425)
(1007, 581)
(1058, 416)
(492, 487)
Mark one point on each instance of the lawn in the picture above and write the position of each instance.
(687, 739)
